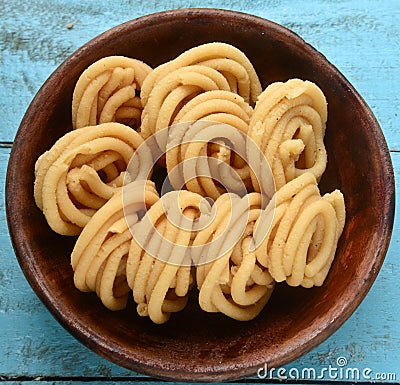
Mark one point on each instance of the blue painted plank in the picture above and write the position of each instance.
(359, 37)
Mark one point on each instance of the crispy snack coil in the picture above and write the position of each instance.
(172, 91)
(158, 271)
(204, 157)
(81, 172)
(288, 125)
(101, 251)
(109, 91)
(301, 243)
(217, 106)
(224, 58)
(209, 67)
(234, 283)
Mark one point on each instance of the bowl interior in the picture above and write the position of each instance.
(195, 345)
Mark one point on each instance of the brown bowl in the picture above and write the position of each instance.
(194, 345)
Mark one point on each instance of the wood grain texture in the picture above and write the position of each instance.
(360, 37)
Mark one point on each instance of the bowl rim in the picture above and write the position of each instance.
(106, 349)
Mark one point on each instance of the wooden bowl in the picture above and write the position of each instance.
(194, 345)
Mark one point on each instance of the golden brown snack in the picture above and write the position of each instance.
(100, 254)
(224, 58)
(301, 243)
(206, 158)
(171, 92)
(217, 106)
(158, 268)
(288, 124)
(109, 91)
(234, 283)
(81, 171)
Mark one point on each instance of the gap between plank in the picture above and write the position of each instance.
(6, 144)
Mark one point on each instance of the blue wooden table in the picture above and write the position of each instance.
(360, 37)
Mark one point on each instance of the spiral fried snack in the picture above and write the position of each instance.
(301, 243)
(171, 92)
(109, 91)
(288, 124)
(232, 63)
(205, 158)
(82, 171)
(234, 283)
(217, 106)
(101, 250)
(158, 270)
